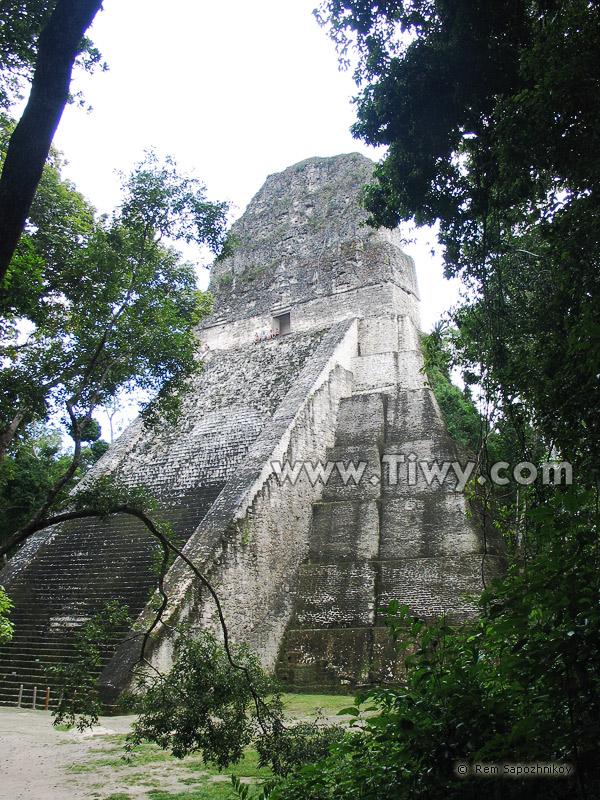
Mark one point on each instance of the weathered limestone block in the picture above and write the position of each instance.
(344, 531)
(336, 595)
(378, 335)
(413, 415)
(357, 473)
(388, 334)
(304, 234)
(427, 525)
(409, 336)
(422, 466)
(224, 333)
(432, 587)
(343, 663)
(361, 420)
(388, 370)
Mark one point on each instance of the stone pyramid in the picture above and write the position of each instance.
(301, 472)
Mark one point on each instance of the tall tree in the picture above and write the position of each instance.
(102, 304)
(60, 42)
(490, 112)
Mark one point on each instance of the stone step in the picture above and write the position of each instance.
(20, 659)
(36, 673)
(9, 695)
(10, 690)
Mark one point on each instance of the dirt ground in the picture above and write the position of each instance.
(35, 756)
(40, 762)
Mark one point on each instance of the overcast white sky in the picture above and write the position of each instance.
(233, 91)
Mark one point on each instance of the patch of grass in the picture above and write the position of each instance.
(94, 763)
(144, 754)
(248, 767)
(253, 272)
(137, 778)
(208, 783)
(77, 769)
(213, 779)
(115, 738)
(306, 705)
(108, 751)
(149, 754)
(152, 767)
(118, 796)
(204, 781)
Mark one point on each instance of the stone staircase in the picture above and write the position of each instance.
(58, 586)
(75, 572)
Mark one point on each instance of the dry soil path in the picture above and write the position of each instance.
(34, 756)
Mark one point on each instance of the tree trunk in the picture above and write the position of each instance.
(6, 436)
(58, 47)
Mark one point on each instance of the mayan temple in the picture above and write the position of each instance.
(300, 473)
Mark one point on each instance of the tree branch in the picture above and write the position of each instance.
(58, 47)
(7, 434)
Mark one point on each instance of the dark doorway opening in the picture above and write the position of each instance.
(282, 324)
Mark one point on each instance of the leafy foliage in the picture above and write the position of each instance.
(106, 304)
(59, 41)
(244, 792)
(285, 750)
(92, 307)
(462, 419)
(26, 475)
(488, 112)
(519, 685)
(105, 493)
(489, 434)
(6, 628)
(204, 703)
(21, 22)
